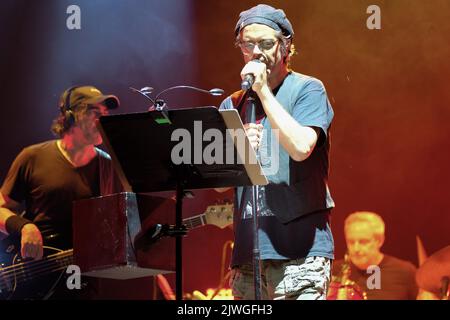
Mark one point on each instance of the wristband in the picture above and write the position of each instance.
(15, 223)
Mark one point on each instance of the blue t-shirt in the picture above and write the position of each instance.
(294, 208)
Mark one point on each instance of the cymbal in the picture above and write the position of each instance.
(429, 276)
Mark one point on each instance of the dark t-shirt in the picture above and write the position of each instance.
(397, 279)
(47, 183)
(294, 208)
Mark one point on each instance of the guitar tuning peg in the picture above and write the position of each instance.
(189, 194)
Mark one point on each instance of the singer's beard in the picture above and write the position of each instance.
(276, 74)
(274, 69)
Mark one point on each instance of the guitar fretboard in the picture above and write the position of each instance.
(195, 221)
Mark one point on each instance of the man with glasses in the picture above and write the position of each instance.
(295, 239)
(49, 176)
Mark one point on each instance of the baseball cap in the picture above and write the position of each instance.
(87, 95)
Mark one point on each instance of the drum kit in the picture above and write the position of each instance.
(432, 276)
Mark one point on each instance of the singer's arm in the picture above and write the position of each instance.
(299, 141)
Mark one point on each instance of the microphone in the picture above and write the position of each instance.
(250, 113)
(249, 79)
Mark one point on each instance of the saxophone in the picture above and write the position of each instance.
(342, 293)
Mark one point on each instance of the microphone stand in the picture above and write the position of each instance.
(251, 118)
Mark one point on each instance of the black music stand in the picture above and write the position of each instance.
(141, 147)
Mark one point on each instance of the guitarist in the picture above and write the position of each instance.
(47, 177)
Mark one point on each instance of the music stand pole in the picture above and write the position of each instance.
(251, 118)
(179, 242)
(256, 252)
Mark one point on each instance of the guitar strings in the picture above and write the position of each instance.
(36, 262)
(28, 273)
(22, 270)
(15, 282)
(38, 271)
(35, 269)
(20, 278)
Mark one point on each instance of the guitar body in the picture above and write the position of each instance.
(31, 279)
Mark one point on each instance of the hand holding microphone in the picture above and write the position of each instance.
(247, 82)
(254, 133)
(254, 72)
(254, 76)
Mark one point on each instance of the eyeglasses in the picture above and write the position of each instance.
(248, 47)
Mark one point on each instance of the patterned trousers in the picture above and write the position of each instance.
(298, 279)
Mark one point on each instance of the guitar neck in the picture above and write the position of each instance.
(219, 215)
(195, 221)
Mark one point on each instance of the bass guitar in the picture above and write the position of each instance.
(37, 279)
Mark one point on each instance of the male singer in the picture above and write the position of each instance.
(295, 239)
